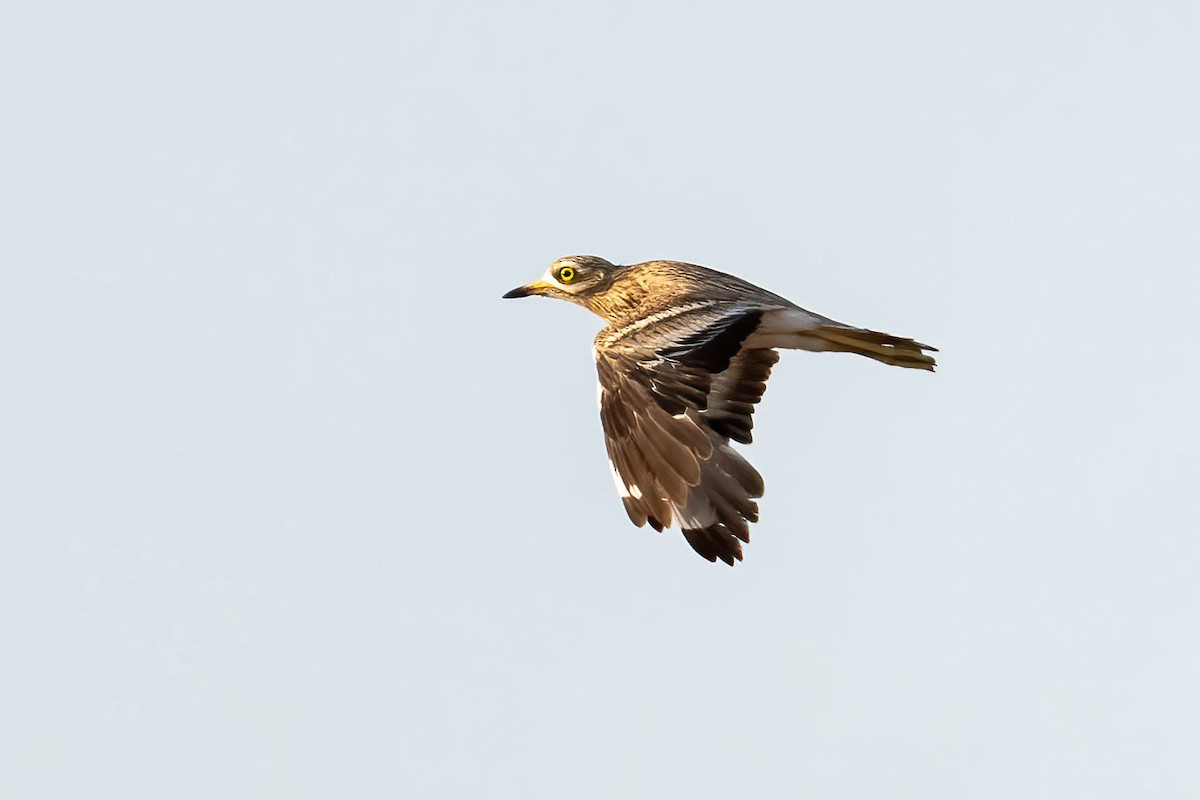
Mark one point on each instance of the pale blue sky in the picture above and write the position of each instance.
(295, 506)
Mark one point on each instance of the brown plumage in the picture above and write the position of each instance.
(683, 361)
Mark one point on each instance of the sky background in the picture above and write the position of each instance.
(294, 505)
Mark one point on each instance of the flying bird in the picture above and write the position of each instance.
(682, 362)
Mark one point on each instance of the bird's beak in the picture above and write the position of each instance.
(537, 287)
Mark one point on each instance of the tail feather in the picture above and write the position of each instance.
(894, 350)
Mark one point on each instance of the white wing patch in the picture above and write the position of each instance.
(608, 338)
(632, 490)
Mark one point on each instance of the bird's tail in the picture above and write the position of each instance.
(797, 329)
(894, 350)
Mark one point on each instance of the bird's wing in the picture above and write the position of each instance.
(672, 395)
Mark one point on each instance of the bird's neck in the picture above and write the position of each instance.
(621, 302)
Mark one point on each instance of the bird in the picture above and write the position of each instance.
(682, 363)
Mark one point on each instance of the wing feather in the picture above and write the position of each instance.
(671, 398)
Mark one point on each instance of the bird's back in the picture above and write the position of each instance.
(654, 289)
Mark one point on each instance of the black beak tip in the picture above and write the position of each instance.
(520, 291)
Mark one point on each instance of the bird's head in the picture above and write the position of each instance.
(574, 278)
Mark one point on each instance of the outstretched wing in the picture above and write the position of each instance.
(671, 398)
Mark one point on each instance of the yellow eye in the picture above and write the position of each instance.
(566, 274)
